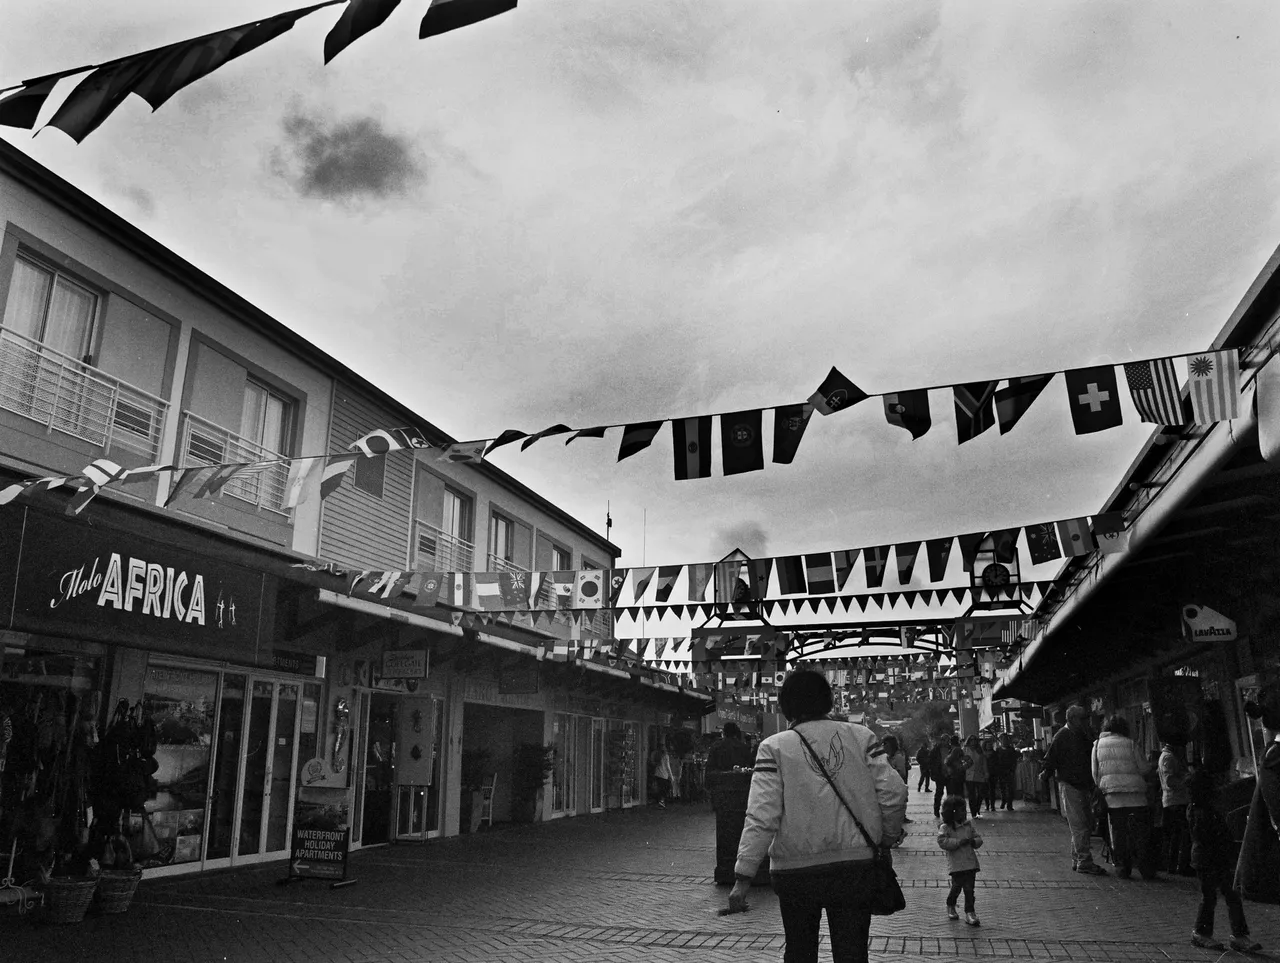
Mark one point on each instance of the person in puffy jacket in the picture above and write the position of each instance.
(959, 839)
(976, 775)
(1120, 771)
(818, 858)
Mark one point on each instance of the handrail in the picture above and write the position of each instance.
(436, 550)
(203, 442)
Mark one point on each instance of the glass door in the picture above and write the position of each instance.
(564, 785)
(270, 741)
(226, 767)
(418, 762)
(596, 768)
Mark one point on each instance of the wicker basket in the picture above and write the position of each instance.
(68, 899)
(115, 889)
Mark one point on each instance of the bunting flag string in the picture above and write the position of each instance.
(157, 74)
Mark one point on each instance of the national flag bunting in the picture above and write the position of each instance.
(909, 410)
(637, 437)
(300, 471)
(789, 423)
(597, 432)
(506, 438)
(741, 444)
(875, 560)
(938, 551)
(1153, 386)
(844, 560)
(758, 572)
(359, 17)
(1042, 543)
(699, 576)
(642, 578)
(335, 470)
(589, 589)
(974, 408)
(464, 452)
(691, 447)
(445, 15)
(1014, 400)
(21, 108)
(969, 547)
(820, 573)
(1109, 532)
(905, 553)
(546, 433)
(1094, 399)
(1075, 537)
(836, 393)
(667, 575)
(791, 575)
(1214, 382)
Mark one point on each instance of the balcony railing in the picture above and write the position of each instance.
(204, 443)
(499, 564)
(74, 398)
(438, 551)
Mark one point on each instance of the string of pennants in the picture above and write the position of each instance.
(156, 75)
(1093, 398)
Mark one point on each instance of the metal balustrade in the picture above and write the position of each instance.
(438, 551)
(202, 442)
(499, 564)
(69, 396)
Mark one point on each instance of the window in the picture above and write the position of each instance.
(370, 474)
(267, 418)
(588, 565)
(456, 521)
(501, 540)
(49, 307)
(561, 559)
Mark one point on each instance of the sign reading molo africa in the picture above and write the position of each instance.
(117, 586)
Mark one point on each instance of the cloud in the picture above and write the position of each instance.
(346, 160)
(748, 536)
(141, 198)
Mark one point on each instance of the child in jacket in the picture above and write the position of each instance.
(1212, 857)
(958, 839)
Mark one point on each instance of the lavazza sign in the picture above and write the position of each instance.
(159, 591)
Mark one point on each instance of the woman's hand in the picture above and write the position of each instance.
(738, 896)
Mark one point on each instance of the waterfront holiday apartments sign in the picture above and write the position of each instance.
(116, 586)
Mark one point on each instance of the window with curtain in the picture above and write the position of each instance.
(47, 306)
(267, 419)
(501, 538)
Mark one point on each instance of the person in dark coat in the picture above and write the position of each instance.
(730, 752)
(923, 755)
(1212, 849)
(1256, 871)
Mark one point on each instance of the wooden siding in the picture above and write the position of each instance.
(357, 528)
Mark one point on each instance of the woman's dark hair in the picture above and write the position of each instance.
(1117, 726)
(891, 745)
(731, 731)
(953, 810)
(805, 695)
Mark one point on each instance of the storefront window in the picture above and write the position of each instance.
(180, 702)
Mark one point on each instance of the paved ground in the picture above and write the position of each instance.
(632, 886)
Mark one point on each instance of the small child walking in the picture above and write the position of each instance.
(956, 835)
(1212, 849)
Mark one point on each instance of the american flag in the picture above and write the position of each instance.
(1153, 386)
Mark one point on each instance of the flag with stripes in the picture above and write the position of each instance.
(335, 469)
(844, 559)
(636, 438)
(691, 447)
(906, 553)
(357, 19)
(1153, 386)
(11, 492)
(445, 15)
(300, 470)
(546, 433)
(820, 573)
(1214, 380)
(1075, 536)
(975, 408)
(100, 472)
(699, 577)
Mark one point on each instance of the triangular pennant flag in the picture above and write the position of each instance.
(969, 547)
(893, 598)
(813, 605)
(445, 15)
(846, 600)
(637, 437)
(910, 598)
(640, 580)
(862, 602)
(769, 606)
(831, 603)
(926, 596)
(836, 393)
(1013, 401)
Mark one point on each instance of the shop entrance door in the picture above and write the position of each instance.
(254, 769)
(595, 767)
(418, 762)
(378, 776)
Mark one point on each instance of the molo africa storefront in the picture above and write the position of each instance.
(175, 628)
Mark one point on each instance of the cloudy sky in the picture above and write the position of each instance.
(598, 211)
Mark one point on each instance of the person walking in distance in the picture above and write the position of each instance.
(923, 755)
(938, 770)
(975, 776)
(958, 838)
(1212, 848)
(1120, 770)
(897, 759)
(730, 752)
(1069, 761)
(819, 860)
(1005, 765)
(1174, 798)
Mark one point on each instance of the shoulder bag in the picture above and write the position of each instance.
(886, 896)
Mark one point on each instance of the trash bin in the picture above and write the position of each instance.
(729, 791)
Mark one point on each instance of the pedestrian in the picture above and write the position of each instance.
(796, 812)
(923, 755)
(957, 836)
(730, 752)
(1119, 769)
(938, 770)
(1069, 761)
(1211, 851)
(1256, 870)
(1174, 798)
(955, 764)
(989, 749)
(898, 759)
(975, 777)
(663, 774)
(1005, 763)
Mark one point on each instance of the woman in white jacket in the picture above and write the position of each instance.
(1120, 771)
(818, 858)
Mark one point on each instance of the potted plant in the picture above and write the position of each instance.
(531, 766)
(476, 765)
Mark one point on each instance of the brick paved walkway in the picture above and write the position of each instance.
(633, 886)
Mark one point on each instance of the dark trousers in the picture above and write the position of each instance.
(1130, 840)
(991, 793)
(842, 893)
(924, 780)
(962, 881)
(1213, 881)
(664, 790)
(977, 792)
(1177, 840)
(1004, 790)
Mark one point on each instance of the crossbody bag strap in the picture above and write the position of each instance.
(831, 782)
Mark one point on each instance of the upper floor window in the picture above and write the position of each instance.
(456, 520)
(47, 306)
(561, 559)
(267, 418)
(588, 565)
(502, 538)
